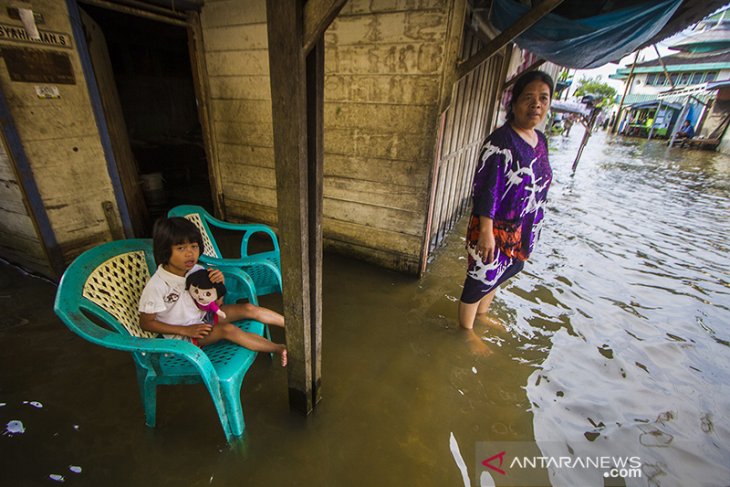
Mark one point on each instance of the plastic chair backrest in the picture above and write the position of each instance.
(198, 216)
(116, 286)
(107, 282)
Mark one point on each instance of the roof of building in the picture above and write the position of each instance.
(571, 14)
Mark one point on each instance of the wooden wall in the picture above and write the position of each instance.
(62, 144)
(19, 240)
(384, 69)
(469, 119)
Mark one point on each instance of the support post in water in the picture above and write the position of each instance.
(586, 136)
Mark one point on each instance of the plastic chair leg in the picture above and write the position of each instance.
(150, 401)
(148, 395)
(218, 394)
(232, 398)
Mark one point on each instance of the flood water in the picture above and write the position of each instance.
(617, 343)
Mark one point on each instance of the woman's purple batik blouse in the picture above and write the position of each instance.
(510, 186)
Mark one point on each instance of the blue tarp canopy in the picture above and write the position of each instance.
(588, 42)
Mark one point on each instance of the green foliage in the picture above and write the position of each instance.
(594, 86)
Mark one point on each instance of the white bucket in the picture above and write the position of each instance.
(153, 189)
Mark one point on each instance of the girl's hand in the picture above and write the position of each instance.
(486, 246)
(216, 276)
(196, 331)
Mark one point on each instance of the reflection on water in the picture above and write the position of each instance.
(638, 259)
(616, 343)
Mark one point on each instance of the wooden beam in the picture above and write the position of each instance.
(318, 15)
(507, 36)
(531, 67)
(315, 153)
(297, 88)
(454, 35)
(630, 80)
(664, 68)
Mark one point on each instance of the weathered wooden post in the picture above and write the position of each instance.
(296, 65)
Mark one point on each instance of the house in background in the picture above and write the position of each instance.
(664, 92)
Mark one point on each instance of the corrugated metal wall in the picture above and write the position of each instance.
(469, 120)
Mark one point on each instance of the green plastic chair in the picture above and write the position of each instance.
(263, 267)
(98, 299)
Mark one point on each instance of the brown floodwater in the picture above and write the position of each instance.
(616, 344)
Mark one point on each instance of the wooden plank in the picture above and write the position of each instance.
(17, 224)
(395, 89)
(318, 15)
(245, 211)
(236, 38)
(243, 191)
(382, 195)
(246, 154)
(394, 242)
(356, 7)
(371, 169)
(507, 36)
(240, 87)
(238, 63)
(240, 172)
(253, 134)
(378, 144)
(11, 197)
(396, 59)
(201, 85)
(403, 119)
(407, 264)
(454, 41)
(248, 111)
(389, 28)
(233, 12)
(373, 216)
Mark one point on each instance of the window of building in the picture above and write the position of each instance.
(684, 79)
(696, 78)
(675, 78)
(711, 76)
(651, 79)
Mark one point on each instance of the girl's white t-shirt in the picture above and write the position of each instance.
(165, 296)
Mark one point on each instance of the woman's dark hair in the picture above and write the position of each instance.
(201, 280)
(525, 80)
(173, 231)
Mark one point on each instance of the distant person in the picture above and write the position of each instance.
(686, 131)
(509, 192)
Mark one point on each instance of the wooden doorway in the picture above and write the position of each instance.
(142, 66)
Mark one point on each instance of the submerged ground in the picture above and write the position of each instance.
(617, 343)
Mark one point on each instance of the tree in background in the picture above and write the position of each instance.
(595, 86)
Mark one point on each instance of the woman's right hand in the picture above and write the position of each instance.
(196, 331)
(486, 245)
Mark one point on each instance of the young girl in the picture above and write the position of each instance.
(166, 307)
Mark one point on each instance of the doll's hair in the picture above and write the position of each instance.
(525, 80)
(201, 280)
(173, 231)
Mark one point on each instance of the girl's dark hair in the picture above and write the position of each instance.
(525, 80)
(201, 280)
(173, 231)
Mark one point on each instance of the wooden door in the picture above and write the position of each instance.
(126, 163)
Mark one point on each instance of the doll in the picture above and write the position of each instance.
(205, 293)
